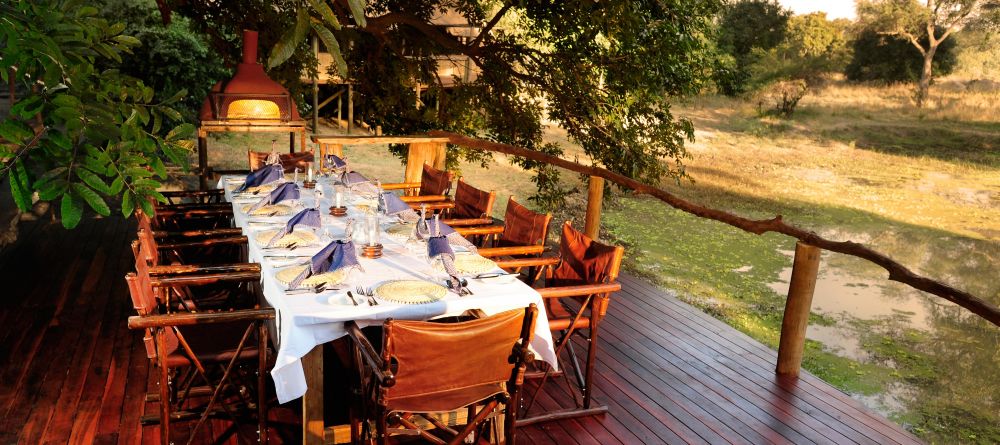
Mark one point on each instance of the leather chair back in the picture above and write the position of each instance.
(434, 181)
(471, 202)
(523, 227)
(445, 366)
(289, 161)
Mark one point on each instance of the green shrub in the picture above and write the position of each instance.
(886, 58)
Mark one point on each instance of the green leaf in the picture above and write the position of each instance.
(93, 199)
(28, 107)
(182, 131)
(128, 40)
(326, 13)
(52, 190)
(128, 205)
(18, 187)
(290, 41)
(71, 211)
(14, 131)
(332, 46)
(158, 167)
(358, 12)
(147, 206)
(176, 97)
(117, 185)
(93, 181)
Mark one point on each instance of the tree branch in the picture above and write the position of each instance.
(489, 26)
(897, 272)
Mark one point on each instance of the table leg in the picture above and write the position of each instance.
(312, 403)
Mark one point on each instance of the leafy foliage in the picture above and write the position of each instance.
(813, 46)
(170, 58)
(746, 28)
(603, 71)
(887, 58)
(936, 21)
(82, 135)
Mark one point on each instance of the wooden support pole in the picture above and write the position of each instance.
(350, 108)
(315, 85)
(313, 428)
(291, 142)
(595, 197)
(440, 155)
(805, 268)
(340, 103)
(203, 160)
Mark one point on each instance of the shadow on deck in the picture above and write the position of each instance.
(71, 371)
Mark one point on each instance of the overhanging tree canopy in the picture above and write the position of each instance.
(604, 71)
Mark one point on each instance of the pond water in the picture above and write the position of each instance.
(944, 360)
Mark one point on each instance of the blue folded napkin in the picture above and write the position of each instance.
(307, 217)
(283, 192)
(335, 162)
(264, 175)
(335, 256)
(392, 204)
(353, 178)
(439, 247)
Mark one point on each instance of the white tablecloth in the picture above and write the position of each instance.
(306, 320)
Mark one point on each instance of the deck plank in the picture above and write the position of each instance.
(668, 372)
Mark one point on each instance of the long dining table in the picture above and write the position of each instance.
(305, 321)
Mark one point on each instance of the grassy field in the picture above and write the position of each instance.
(854, 163)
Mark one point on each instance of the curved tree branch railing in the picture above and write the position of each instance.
(897, 271)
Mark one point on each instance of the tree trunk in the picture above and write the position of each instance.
(923, 87)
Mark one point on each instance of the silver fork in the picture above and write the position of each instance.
(371, 296)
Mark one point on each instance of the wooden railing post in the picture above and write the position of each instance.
(805, 268)
(595, 197)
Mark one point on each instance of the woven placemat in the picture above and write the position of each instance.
(286, 275)
(400, 231)
(300, 238)
(270, 210)
(410, 292)
(469, 264)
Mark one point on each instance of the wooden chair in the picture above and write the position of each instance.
(433, 189)
(202, 355)
(289, 161)
(228, 285)
(578, 287)
(522, 234)
(427, 367)
(157, 227)
(473, 207)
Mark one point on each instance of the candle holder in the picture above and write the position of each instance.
(369, 251)
(338, 211)
(309, 184)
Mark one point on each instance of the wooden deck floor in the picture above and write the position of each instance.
(70, 370)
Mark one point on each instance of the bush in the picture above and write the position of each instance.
(746, 27)
(171, 58)
(891, 59)
(781, 98)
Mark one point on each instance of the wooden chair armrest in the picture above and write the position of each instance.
(368, 354)
(511, 250)
(527, 262)
(230, 172)
(423, 198)
(188, 269)
(465, 222)
(193, 193)
(191, 318)
(401, 186)
(204, 278)
(579, 291)
(207, 242)
(482, 230)
(186, 206)
(212, 233)
(167, 212)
